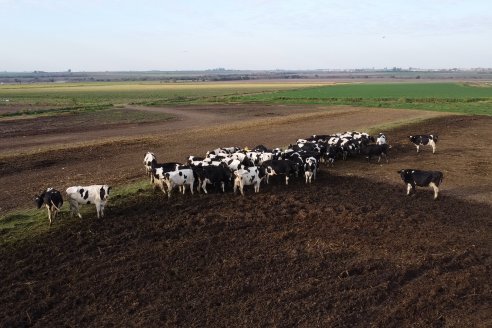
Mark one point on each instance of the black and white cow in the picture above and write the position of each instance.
(420, 178)
(424, 140)
(310, 169)
(214, 175)
(247, 177)
(381, 140)
(53, 201)
(158, 174)
(94, 194)
(180, 178)
(148, 160)
(375, 150)
(280, 167)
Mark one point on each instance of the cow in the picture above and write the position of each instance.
(424, 140)
(180, 178)
(247, 177)
(420, 178)
(53, 201)
(332, 153)
(148, 160)
(280, 167)
(213, 175)
(158, 173)
(310, 168)
(94, 194)
(375, 150)
(381, 140)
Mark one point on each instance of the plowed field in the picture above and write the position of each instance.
(350, 250)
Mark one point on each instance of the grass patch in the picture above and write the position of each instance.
(79, 95)
(445, 97)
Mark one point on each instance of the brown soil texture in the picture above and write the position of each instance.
(350, 250)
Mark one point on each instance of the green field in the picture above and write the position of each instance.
(452, 97)
(45, 98)
(447, 97)
(51, 99)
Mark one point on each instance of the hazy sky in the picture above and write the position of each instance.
(100, 35)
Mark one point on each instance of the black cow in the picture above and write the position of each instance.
(424, 140)
(280, 167)
(53, 201)
(214, 175)
(375, 150)
(420, 178)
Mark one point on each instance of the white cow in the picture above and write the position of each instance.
(247, 177)
(180, 178)
(94, 194)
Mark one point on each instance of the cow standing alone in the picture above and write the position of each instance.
(424, 140)
(420, 178)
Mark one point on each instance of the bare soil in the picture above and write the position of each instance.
(350, 250)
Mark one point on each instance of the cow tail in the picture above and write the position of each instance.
(53, 204)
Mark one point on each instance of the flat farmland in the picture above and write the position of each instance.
(348, 250)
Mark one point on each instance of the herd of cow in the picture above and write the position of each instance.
(244, 167)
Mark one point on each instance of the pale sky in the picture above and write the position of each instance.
(112, 35)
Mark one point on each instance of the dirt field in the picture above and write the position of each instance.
(349, 250)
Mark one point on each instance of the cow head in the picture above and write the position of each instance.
(104, 192)
(39, 200)
(405, 174)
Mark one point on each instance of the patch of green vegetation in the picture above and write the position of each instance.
(55, 111)
(85, 95)
(446, 97)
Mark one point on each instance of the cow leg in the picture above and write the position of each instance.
(433, 145)
(286, 179)
(241, 188)
(409, 187)
(74, 207)
(223, 186)
(191, 187)
(436, 189)
(49, 212)
(418, 148)
(204, 186)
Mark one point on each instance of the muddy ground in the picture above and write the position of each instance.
(349, 250)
